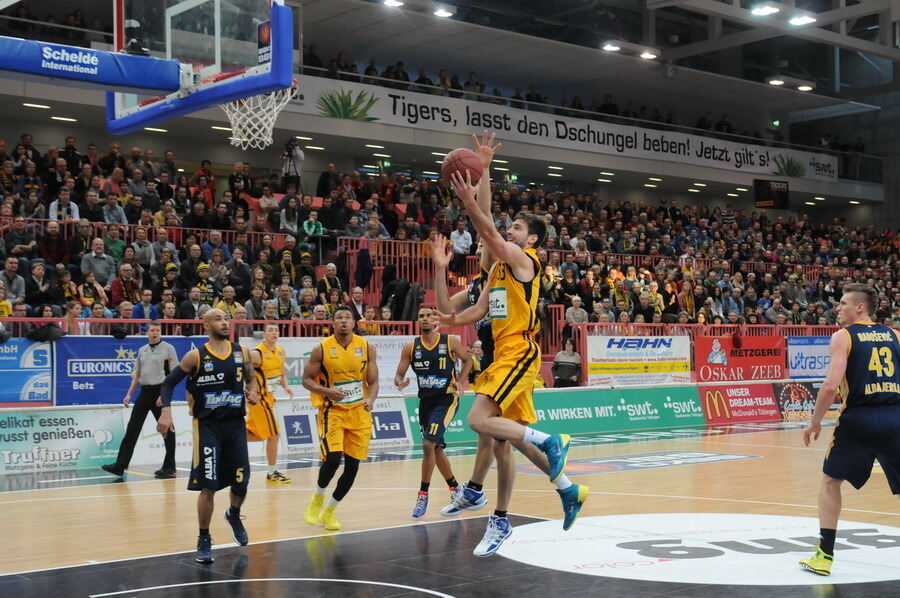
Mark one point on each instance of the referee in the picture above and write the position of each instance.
(154, 362)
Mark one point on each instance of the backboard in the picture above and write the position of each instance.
(228, 49)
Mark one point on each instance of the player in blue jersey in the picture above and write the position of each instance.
(433, 358)
(865, 373)
(220, 382)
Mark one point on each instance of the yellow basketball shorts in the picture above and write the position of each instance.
(261, 419)
(509, 380)
(345, 431)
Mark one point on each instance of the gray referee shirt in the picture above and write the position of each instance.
(151, 362)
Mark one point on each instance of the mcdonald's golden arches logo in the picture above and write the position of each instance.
(715, 398)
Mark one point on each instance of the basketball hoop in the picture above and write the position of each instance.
(253, 118)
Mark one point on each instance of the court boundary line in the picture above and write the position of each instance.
(224, 581)
(235, 545)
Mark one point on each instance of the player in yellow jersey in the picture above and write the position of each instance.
(504, 407)
(342, 378)
(262, 423)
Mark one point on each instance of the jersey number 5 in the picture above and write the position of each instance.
(882, 361)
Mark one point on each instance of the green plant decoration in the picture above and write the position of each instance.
(787, 166)
(342, 104)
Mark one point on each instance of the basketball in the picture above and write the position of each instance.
(460, 160)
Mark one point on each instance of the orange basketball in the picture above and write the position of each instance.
(460, 160)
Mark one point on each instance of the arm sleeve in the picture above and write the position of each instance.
(171, 381)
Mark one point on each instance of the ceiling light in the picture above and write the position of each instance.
(699, 184)
(155, 130)
(382, 155)
(776, 81)
(498, 161)
(648, 55)
(444, 11)
(819, 198)
(41, 106)
(608, 173)
(693, 190)
(799, 20)
(604, 181)
(809, 203)
(372, 166)
(853, 202)
(732, 195)
(181, 170)
(313, 147)
(438, 153)
(556, 174)
(299, 138)
(438, 162)
(501, 169)
(430, 172)
(373, 146)
(611, 47)
(65, 119)
(650, 185)
(653, 178)
(217, 128)
(555, 167)
(764, 10)
(393, 3)
(742, 189)
(804, 88)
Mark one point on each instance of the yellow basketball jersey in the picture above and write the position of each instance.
(346, 369)
(268, 375)
(512, 304)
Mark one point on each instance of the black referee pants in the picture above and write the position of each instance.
(145, 403)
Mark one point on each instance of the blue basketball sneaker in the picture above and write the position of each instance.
(464, 499)
(421, 505)
(498, 530)
(557, 450)
(237, 527)
(204, 549)
(573, 498)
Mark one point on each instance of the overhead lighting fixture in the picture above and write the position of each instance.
(429, 172)
(443, 11)
(155, 130)
(604, 181)
(804, 88)
(438, 153)
(372, 166)
(41, 106)
(555, 167)
(181, 170)
(801, 20)
(764, 10)
(393, 3)
(65, 119)
(699, 184)
(500, 168)
(693, 190)
(809, 203)
(299, 138)
(853, 202)
(649, 185)
(611, 47)
(776, 81)
(608, 173)
(795, 82)
(653, 178)
(645, 52)
(313, 147)
(742, 189)
(499, 161)
(648, 55)
(732, 195)
(218, 128)
(382, 155)
(819, 198)
(556, 174)
(438, 162)
(373, 146)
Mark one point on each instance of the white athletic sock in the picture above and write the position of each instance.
(320, 491)
(333, 502)
(563, 482)
(535, 437)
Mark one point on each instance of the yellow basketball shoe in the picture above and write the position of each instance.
(820, 563)
(328, 519)
(314, 509)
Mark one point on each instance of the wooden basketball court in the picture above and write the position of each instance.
(84, 534)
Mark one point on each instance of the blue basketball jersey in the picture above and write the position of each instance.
(435, 367)
(216, 389)
(872, 377)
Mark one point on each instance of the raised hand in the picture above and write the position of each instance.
(441, 252)
(486, 148)
(464, 188)
(446, 319)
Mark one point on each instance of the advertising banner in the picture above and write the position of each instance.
(26, 371)
(298, 350)
(808, 356)
(326, 97)
(97, 370)
(731, 403)
(797, 400)
(61, 439)
(638, 360)
(716, 359)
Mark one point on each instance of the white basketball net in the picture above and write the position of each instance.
(253, 118)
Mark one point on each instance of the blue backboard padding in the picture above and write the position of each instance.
(88, 68)
(280, 77)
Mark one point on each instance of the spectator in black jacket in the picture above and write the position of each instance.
(328, 180)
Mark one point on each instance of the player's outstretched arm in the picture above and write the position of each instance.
(840, 344)
(400, 379)
(371, 378)
(188, 364)
(485, 148)
(468, 316)
(441, 253)
(460, 350)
